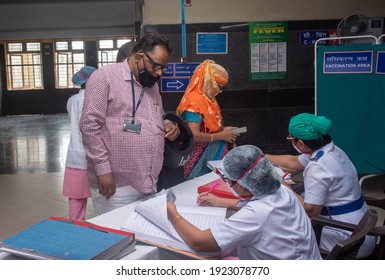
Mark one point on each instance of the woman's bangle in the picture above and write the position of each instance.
(211, 138)
(173, 221)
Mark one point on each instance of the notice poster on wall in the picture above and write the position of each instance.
(268, 50)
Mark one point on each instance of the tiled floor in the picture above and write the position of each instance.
(32, 156)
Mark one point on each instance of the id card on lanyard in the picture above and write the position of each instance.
(131, 125)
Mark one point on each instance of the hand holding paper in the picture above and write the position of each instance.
(240, 129)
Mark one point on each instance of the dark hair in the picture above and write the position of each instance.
(149, 41)
(124, 51)
(318, 143)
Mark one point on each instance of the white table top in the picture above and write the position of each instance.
(116, 218)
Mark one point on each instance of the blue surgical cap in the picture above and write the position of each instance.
(261, 179)
(81, 77)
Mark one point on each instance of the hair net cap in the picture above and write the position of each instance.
(81, 77)
(307, 126)
(261, 179)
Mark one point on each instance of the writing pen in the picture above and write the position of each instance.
(212, 188)
(284, 175)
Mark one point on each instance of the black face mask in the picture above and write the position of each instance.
(146, 79)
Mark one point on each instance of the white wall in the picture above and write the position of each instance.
(63, 20)
(220, 11)
(117, 17)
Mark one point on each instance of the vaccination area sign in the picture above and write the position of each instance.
(177, 76)
(348, 62)
(268, 50)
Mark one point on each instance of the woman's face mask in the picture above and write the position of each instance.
(232, 189)
(295, 147)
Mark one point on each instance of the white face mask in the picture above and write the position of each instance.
(298, 150)
(234, 192)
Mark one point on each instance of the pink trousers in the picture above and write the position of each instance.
(77, 208)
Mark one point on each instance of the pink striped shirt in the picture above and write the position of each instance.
(134, 159)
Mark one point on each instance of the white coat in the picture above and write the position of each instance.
(273, 227)
(331, 180)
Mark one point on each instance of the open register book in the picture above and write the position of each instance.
(150, 224)
(63, 239)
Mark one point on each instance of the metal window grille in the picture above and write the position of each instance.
(69, 58)
(23, 63)
(108, 50)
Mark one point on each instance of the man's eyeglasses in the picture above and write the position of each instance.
(156, 66)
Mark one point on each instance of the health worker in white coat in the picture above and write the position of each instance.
(331, 186)
(271, 225)
(75, 183)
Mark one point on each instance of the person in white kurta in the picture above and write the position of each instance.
(331, 187)
(75, 183)
(273, 225)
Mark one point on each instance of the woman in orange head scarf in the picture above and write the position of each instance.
(200, 109)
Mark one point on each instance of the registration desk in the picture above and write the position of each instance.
(116, 218)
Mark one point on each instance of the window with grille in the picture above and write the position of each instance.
(24, 68)
(108, 49)
(69, 58)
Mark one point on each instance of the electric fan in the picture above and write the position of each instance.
(353, 25)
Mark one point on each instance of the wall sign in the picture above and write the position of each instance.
(309, 37)
(349, 62)
(212, 43)
(177, 77)
(268, 50)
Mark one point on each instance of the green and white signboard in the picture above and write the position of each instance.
(268, 50)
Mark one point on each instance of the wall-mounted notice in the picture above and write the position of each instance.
(349, 62)
(268, 50)
(212, 43)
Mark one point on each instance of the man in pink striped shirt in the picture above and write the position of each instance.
(123, 127)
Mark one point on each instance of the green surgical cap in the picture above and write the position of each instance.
(307, 126)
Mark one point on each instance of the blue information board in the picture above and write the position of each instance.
(185, 69)
(170, 70)
(348, 62)
(380, 63)
(174, 84)
(308, 38)
(177, 77)
(212, 43)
